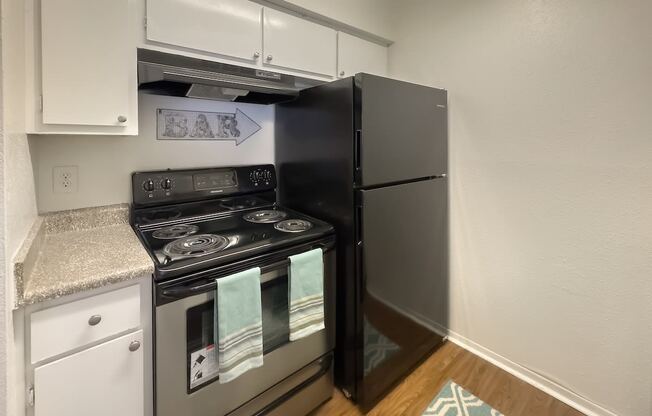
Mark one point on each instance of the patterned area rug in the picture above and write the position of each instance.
(453, 400)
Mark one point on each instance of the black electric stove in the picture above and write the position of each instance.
(200, 226)
(192, 220)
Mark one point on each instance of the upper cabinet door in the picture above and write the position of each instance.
(297, 44)
(358, 55)
(87, 59)
(224, 27)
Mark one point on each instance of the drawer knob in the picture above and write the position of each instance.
(94, 320)
(134, 345)
(122, 119)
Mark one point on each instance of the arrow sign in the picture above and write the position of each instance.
(204, 125)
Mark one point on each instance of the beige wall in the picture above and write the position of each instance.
(17, 204)
(3, 269)
(19, 181)
(551, 182)
(105, 163)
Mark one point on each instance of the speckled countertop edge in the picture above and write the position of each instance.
(40, 276)
(26, 257)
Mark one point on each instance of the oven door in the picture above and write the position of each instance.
(185, 355)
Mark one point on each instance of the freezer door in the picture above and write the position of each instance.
(402, 131)
(404, 259)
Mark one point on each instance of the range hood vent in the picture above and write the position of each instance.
(166, 74)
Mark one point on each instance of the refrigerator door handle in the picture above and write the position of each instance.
(357, 155)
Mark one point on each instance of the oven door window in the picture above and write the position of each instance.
(201, 349)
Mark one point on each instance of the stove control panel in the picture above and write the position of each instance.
(174, 186)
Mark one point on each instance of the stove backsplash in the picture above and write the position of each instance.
(105, 163)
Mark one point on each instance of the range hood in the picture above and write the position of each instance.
(167, 74)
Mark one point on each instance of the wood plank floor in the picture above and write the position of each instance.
(494, 386)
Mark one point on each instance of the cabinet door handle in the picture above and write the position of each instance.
(94, 320)
(134, 345)
(122, 119)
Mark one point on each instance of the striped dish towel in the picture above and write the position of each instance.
(306, 294)
(239, 324)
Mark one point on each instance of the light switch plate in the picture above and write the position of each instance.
(64, 179)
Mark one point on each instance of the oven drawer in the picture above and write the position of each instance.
(62, 328)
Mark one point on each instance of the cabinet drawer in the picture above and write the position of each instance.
(72, 325)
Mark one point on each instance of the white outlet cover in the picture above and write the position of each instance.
(64, 179)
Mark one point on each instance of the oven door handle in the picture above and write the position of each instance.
(182, 292)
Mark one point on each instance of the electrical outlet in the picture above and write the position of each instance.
(64, 179)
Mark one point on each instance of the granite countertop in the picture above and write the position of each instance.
(68, 252)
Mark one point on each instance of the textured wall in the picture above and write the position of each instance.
(105, 163)
(19, 179)
(3, 269)
(18, 207)
(551, 181)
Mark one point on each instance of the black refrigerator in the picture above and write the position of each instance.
(370, 155)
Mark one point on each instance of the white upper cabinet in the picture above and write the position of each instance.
(224, 27)
(297, 44)
(87, 62)
(104, 380)
(358, 55)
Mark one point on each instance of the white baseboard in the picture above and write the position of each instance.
(537, 380)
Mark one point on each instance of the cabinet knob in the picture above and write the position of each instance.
(342, 73)
(134, 345)
(256, 55)
(122, 119)
(94, 320)
(270, 57)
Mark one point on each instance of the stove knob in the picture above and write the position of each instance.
(148, 185)
(166, 183)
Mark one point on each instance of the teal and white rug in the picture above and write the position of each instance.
(453, 400)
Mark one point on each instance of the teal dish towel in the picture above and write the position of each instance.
(306, 294)
(239, 324)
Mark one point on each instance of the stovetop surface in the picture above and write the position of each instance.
(187, 238)
(174, 213)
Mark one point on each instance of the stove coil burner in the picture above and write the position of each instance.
(293, 226)
(175, 231)
(265, 216)
(196, 245)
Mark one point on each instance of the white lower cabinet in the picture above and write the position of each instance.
(90, 354)
(104, 380)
